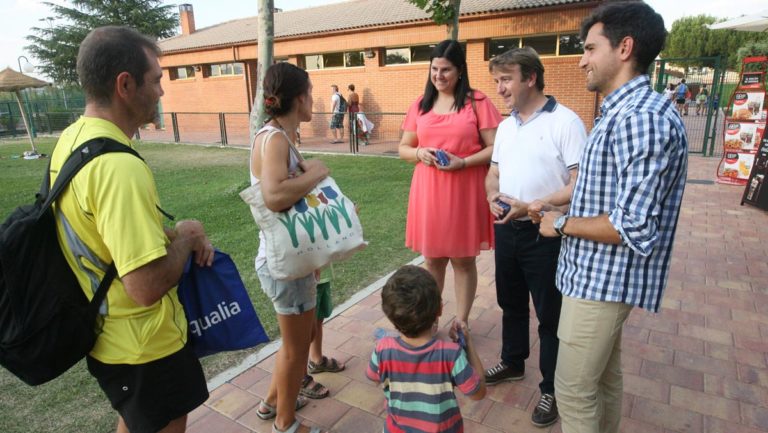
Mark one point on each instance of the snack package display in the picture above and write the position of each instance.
(504, 209)
(442, 158)
(461, 340)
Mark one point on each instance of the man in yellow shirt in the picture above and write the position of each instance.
(110, 213)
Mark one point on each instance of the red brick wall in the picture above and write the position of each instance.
(198, 94)
(382, 88)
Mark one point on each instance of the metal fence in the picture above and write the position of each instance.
(704, 122)
(231, 129)
(42, 119)
(39, 104)
(704, 118)
(228, 129)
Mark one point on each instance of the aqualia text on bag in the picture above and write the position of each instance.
(220, 314)
(46, 321)
(322, 227)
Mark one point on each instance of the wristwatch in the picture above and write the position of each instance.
(559, 224)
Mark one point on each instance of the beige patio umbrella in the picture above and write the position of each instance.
(12, 81)
(755, 22)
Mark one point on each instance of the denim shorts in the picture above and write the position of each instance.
(289, 296)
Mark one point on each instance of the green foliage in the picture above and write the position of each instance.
(442, 12)
(56, 43)
(726, 92)
(203, 183)
(690, 37)
(5, 120)
(753, 49)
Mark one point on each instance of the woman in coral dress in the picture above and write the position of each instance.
(448, 216)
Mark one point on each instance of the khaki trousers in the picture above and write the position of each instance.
(588, 382)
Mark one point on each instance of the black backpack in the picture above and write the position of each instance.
(46, 322)
(342, 104)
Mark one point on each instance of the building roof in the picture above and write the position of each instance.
(354, 14)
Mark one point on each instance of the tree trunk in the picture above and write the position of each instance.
(453, 28)
(266, 37)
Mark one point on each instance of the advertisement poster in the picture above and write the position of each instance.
(742, 136)
(735, 168)
(752, 80)
(745, 144)
(747, 105)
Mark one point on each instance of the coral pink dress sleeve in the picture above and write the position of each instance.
(448, 214)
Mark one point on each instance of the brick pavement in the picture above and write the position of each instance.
(701, 365)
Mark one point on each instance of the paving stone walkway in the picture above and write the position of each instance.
(700, 365)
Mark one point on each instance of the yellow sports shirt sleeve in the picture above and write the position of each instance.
(127, 200)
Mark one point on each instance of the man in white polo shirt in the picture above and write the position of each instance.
(535, 158)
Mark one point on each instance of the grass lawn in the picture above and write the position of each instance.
(203, 183)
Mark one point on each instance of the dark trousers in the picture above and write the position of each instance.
(527, 263)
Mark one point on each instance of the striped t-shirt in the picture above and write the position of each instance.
(418, 384)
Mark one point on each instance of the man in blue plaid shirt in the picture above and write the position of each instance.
(618, 232)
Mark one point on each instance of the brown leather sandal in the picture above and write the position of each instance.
(326, 365)
(312, 389)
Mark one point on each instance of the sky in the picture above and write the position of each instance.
(18, 16)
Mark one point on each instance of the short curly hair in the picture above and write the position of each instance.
(411, 300)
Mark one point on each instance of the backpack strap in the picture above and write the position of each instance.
(101, 292)
(77, 160)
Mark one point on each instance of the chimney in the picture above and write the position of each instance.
(187, 18)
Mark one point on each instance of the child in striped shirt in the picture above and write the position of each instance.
(417, 369)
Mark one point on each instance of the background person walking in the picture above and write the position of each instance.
(338, 110)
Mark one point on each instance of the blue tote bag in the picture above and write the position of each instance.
(220, 313)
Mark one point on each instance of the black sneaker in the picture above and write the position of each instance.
(501, 373)
(546, 411)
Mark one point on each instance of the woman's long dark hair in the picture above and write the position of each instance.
(283, 82)
(450, 50)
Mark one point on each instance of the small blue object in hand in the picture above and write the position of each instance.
(442, 158)
(505, 208)
(461, 340)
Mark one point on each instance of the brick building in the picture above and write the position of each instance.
(382, 46)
